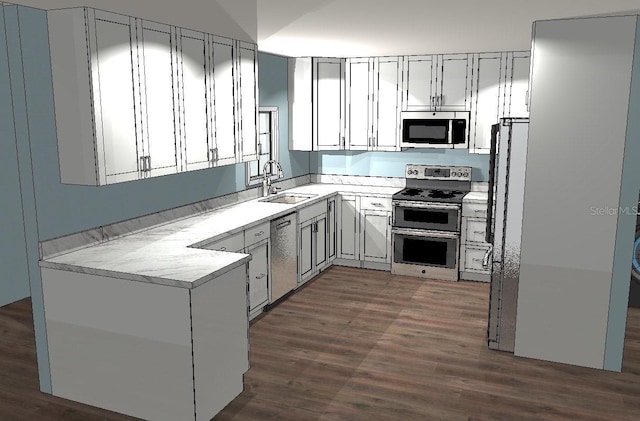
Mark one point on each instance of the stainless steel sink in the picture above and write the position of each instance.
(287, 198)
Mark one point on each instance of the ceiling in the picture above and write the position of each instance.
(343, 28)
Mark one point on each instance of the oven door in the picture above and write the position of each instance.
(425, 248)
(426, 216)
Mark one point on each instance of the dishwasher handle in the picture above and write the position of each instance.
(283, 224)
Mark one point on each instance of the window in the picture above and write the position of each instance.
(267, 146)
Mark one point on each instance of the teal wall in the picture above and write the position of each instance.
(14, 274)
(392, 164)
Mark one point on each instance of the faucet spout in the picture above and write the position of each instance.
(266, 182)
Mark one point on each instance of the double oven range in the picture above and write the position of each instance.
(426, 221)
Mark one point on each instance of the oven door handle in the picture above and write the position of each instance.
(425, 233)
(423, 205)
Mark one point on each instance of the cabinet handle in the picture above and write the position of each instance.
(433, 101)
(526, 99)
(143, 163)
(343, 142)
(475, 259)
(478, 232)
(148, 162)
(222, 248)
(481, 212)
(258, 234)
(441, 100)
(389, 219)
(485, 261)
(377, 204)
(260, 276)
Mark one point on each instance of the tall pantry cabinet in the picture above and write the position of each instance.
(137, 99)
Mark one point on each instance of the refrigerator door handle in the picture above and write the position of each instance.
(485, 261)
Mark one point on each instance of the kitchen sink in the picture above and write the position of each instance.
(287, 198)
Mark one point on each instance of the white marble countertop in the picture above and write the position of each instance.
(168, 254)
(475, 197)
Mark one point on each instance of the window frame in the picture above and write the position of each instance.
(274, 139)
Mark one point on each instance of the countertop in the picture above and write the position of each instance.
(475, 197)
(168, 254)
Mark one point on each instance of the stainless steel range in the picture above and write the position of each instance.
(426, 221)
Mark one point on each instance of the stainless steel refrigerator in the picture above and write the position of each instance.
(504, 227)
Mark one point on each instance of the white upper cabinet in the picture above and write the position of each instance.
(224, 101)
(373, 103)
(158, 96)
(154, 100)
(453, 82)
(517, 84)
(487, 105)
(247, 70)
(195, 130)
(436, 82)
(328, 104)
(300, 103)
(418, 89)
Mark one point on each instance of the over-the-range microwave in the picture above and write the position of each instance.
(435, 129)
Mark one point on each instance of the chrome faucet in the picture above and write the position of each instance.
(266, 182)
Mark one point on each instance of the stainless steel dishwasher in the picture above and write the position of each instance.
(284, 262)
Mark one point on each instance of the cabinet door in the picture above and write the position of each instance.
(454, 82)
(331, 230)
(156, 48)
(224, 101)
(320, 233)
(359, 95)
(300, 108)
(517, 92)
(258, 276)
(349, 228)
(195, 109)
(117, 128)
(386, 104)
(376, 234)
(248, 101)
(328, 94)
(486, 102)
(306, 250)
(419, 92)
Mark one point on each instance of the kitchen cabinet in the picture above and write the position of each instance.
(332, 228)
(487, 105)
(365, 230)
(247, 71)
(436, 82)
(312, 234)
(154, 99)
(373, 103)
(300, 103)
(158, 97)
(473, 247)
(517, 84)
(328, 104)
(258, 275)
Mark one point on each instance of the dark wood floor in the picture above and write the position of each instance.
(366, 345)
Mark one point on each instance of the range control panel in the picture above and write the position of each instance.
(432, 172)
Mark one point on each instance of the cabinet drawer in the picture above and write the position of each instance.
(375, 203)
(254, 234)
(474, 210)
(476, 229)
(312, 211)
(474, 257)
(232, 243)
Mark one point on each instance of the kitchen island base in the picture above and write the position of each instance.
(152, 351)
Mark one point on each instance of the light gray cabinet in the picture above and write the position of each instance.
(376, 236)
(300, 85)
(328, 103)
(258, 275)
(332, 228)
(373, 103)
(312, 240)
(349, 228)
(247, 102)
(473, 248)
(517, 84)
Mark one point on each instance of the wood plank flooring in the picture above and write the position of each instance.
(366, 345)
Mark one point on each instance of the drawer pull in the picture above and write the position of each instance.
(377, 204)
(478, 232)
(260, 276)
(222, 248)
(481, 212)
(476, 260)
(258, 234)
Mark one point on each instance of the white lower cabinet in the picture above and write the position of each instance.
(473, 247)
(313, 245)
(365, 231)
(258, 275)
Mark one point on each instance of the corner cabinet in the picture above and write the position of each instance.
(137, 99)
